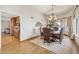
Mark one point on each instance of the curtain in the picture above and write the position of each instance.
(64, 26)
(69, 25)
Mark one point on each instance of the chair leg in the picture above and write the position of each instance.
(60, 41)
(41, 37)
(44, 41)
(49, 43)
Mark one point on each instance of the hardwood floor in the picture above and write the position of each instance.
(75, 47)
(29, 47)
(11, 45)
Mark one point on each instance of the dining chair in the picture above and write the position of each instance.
(56, 28)
(59, 36)
(41, 32)
(47, 35)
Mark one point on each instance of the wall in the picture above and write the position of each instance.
(0, 30)
(77, 16)
(5, 23)
(74, 25)
(74, 21)
(77, 12)
(64, 25)
(28, 18)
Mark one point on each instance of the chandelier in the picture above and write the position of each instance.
(52, 16)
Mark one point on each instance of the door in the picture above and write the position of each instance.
(15, 27)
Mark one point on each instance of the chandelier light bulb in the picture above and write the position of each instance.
(52, 16)
(49, 18)
(55, 18)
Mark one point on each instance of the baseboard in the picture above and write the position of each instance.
(66, 35)
(32, 38)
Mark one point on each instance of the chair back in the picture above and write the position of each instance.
(46, 33)
(61, 33)
(56, 28)
(41, 31)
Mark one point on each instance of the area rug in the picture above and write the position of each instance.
(56, 47)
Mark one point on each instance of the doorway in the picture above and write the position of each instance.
(15, 26)
(10, 29)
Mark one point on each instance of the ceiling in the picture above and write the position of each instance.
(47, 9)
(57, 9)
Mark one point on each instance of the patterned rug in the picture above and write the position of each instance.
(63, 48)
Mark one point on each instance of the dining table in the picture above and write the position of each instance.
(54, 33)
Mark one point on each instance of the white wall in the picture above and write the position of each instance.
(77, 15)
(77, 11)
(27, 23)
(74, 20)
(64, 25)
(74, 25)
(28, 26)
(5, 23)
(0, 30)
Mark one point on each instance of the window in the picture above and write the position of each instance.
(76, 25)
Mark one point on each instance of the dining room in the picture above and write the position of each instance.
(57, 36)
(45, 29)
(39, 29)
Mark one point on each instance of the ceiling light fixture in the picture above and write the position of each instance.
(52, 16)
